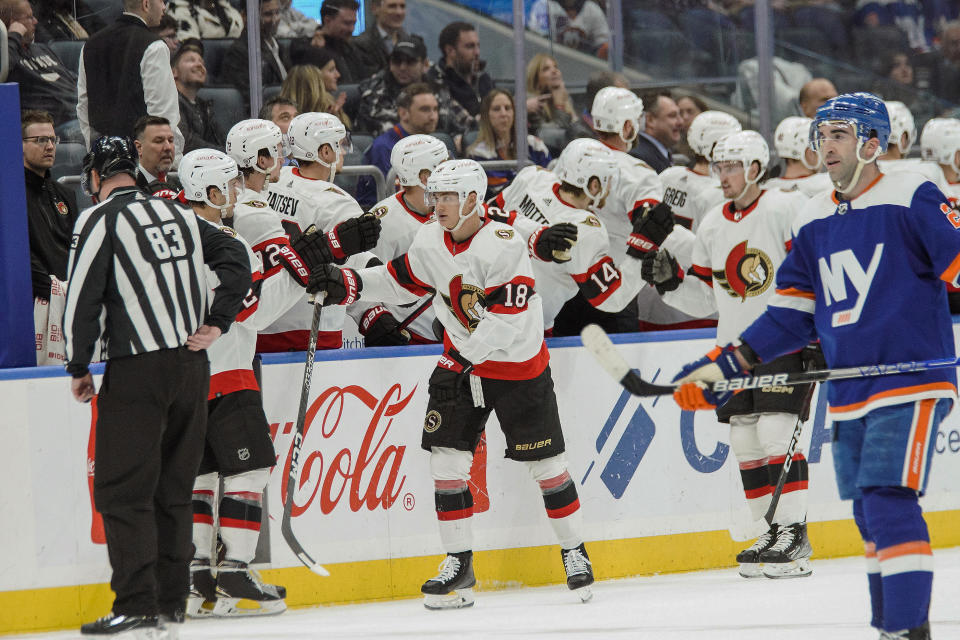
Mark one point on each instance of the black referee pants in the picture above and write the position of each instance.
(151, 425)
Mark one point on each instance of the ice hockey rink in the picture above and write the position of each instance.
(707, 605)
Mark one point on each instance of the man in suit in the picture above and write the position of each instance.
(236, 70)
(375, 45)
(153, 138)
(661, 132)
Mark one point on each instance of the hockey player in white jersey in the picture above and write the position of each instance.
(739, 246)
(306, 196)
(940, 144)
(801, 164)
(495, 360)
(903, 133)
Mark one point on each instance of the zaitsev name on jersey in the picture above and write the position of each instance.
(735, 258)
(485, 296)
(842, 282)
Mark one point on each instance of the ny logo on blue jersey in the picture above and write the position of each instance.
(844, 266)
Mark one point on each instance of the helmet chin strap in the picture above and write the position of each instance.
(636, 131)
(276, 161)
(747, 181)
(861, 163)
(464, 218)
(331, 166)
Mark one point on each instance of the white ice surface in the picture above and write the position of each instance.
(832, 604)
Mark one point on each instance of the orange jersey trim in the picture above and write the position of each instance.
(892, 393)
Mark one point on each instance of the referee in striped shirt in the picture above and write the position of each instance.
(137, 280)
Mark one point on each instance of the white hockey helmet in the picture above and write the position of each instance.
(461, 177)
(940, 141)
(201, 169)
(583, 159)
(613, 107)
(792, 140)
(310, 131)
(248, 137)
(707, 128)
(901, 122)
(745, 147)
(414, 154)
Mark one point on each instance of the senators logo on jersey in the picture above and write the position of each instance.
(747, 272)
(466, 302)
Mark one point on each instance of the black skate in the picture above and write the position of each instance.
(749, 558)
(129, 626)
(579, 571)
(241, 592)
(452, 588)
(789, 555)
(203, 589)
(917, 633)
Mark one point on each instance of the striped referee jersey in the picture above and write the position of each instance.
(136, 277)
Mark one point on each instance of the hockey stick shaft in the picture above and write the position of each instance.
(416, 313)
(787, 461)
(286, 526)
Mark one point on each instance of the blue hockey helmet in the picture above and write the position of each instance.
(865, 112)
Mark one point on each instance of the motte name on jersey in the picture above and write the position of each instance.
(528, 209)
(285, 205)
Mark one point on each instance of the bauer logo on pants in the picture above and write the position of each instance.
(432, 422)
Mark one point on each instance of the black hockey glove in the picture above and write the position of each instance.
(553, 243)
(380, 329)
(342, 286)
(450, 377)
(660, 269)
(812, 357)
(313, 247)
(651, 226)
(354, 236)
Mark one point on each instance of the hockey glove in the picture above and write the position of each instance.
(660, 269)
(720, 364)
(313, 247)
(380, 329)
(354, 236)
(812, 357)
(651, 226)
(451, 375)
(553, 243)
(342, 286)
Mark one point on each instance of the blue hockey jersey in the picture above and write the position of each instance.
(866, 278)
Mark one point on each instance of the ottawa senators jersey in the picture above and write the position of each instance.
(929, 170)
(485, 296)
(301, 202)
(735, 259)
(690, 195)
(530, 194)
(635, 184)
(808, 186)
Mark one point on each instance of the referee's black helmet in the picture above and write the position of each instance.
(109, 155)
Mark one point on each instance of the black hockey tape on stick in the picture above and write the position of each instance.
(286, 526)
(599, 345)
(416, 313)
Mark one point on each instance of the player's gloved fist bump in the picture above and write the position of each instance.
(651, 226)
(354, 236)
(660, 269)
(452, 373)
(313, 247)
(380, 329)
(553, 243)
(341, 286)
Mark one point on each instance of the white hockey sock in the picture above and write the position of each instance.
(204, 490)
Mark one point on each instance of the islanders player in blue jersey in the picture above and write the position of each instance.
(865, 276)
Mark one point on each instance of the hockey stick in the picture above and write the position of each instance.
(416, 313)
(286, 526)
(598, 344)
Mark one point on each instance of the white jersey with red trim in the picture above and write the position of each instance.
(301, 202)
(690, 195)
(735, 259)
(634, 184)
(809, 185)
(485, 296)
(929, 170)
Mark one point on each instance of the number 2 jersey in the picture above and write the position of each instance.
(866, 277)
(485, 296)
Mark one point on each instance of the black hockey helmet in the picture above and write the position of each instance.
(109, 155)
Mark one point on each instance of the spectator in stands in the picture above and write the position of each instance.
(948, 64)
(813, 94)
(153, 138)
(548, 101)
(497, 140)
(419, 112)
(129, 77)
(294, 24)
(583, 127)
(197, 124)
(167, 30)
(906, 15)
(66, 20)
(205, 18)
(338, 19)
(274, 61)
(280, 111)
(461, 69)
(324, 60)
(690, 107)
(580, 24)
(661, 133)
(375, 44)
(377, 111)
(304, 87)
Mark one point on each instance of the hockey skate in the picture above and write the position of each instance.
(241, 592)
(452, 588)
(203, 590)
(749, 558)
(789, 555)
(579, 571)
(917, 633)
(139, 627)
